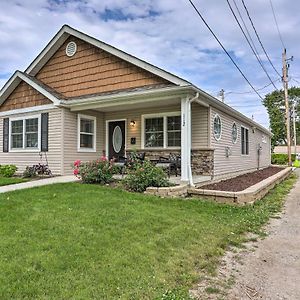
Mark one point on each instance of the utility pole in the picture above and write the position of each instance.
(287, 109)
(222, 95)
(294, 123)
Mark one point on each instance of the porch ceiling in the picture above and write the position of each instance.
(143, 104)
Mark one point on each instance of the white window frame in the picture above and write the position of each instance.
(215, 116)
(165, 129)
(24, 149)
(86, 117)
(248, 140)
(237, 133)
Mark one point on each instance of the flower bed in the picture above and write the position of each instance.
(241, 182)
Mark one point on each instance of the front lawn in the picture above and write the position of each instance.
(11, 180)
(75, 241)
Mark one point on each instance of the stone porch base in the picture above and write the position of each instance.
(202, 159)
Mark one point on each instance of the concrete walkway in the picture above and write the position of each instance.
(36, 183)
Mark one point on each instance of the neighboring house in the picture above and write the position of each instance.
(284, 150)
(81, 98)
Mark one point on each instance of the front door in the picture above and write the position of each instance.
(116, 139)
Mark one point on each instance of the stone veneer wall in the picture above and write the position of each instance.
(202, 160)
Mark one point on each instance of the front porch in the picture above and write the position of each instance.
(157, 126)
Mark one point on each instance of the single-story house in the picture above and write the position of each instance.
(81, 97)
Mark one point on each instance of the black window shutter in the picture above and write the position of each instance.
(44, 132)
(6, 135)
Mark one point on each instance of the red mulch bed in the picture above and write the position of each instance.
(242, 182)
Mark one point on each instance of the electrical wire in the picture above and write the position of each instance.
(227, 53)
(249, 43)
(275, 19)
(249, 92)
(260, 42)
(293, 78)
(245, 26)
(244, 106)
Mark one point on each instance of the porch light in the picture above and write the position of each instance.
(132, 123)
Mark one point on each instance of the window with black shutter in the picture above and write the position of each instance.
(44, 131)
(5, 135)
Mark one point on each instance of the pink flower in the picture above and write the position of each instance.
(76, 172)
(77, 163)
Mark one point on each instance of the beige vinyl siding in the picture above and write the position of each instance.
(70, 139)
(199, 123)
(199, 126)
(136, 115)
(237, 162)
(22, 159)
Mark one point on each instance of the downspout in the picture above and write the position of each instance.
(190, 175)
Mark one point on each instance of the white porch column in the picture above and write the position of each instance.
(185, 139)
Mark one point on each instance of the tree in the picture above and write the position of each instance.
(275, 105)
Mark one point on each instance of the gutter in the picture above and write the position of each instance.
(220, 105)
(136, 95)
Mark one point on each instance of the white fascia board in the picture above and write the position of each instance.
(16, 79)
(40, 89)
(54, 44)
(66, 31)
(214, 102)
(133, 97)
(28, 110)
(9, 86)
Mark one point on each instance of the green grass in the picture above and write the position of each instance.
(11, 180)
(75, 241)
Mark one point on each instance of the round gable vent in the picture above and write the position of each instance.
(71, 49)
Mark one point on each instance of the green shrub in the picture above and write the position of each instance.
(281, 158)
(7, 170)
(97, 171)
(143, 175)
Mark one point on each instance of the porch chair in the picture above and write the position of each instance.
(170, 163)
(123, 161)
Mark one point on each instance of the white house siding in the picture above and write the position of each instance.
(23, 159)
(236, 162)
(70, 139)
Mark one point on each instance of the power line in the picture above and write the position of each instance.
(245, 26)
(275, 19)
(261, 44)
(227, 53)
(249, 92)
(247, 39)
(245, 106)
(293, 78)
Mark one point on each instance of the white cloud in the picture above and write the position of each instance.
(166, 33)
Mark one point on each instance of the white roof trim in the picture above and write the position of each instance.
(214, 102)
(66, 31)
(14, 81)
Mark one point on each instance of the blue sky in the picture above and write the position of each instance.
(166, 33)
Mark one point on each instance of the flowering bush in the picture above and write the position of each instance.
(96, 171)
(143, 175)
